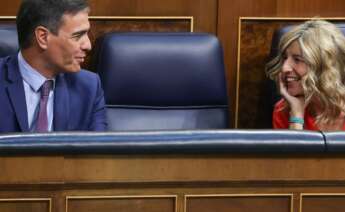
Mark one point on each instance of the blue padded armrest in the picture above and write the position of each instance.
(164, 142)
(335, 141)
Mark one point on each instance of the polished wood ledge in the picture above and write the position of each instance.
(172, 182)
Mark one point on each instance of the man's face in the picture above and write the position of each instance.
(67, 50)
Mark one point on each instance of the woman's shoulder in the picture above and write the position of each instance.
(280, 105)
(280, 119)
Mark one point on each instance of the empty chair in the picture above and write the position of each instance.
(157, 81)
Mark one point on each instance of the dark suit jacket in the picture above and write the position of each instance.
(78, 100)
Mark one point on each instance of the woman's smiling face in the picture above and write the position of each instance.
(293, 69)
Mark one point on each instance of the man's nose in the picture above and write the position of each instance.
(86, 43)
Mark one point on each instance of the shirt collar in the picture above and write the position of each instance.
(31, 75)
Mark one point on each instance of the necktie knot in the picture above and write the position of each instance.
(46, 87)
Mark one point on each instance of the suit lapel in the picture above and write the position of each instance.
(16, 93)
(61, 104)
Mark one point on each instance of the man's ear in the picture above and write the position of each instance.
(42, 37)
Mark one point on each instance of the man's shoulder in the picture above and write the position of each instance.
(83, 78)
(2, 63)
(5, 63)
(5, 60)
(82, 75)
(83, 85)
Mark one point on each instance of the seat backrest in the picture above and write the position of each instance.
(271, 93)
(9, 40)
(155, 81)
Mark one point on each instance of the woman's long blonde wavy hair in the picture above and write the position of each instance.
(323, 48)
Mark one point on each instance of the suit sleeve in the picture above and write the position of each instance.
(98, 120)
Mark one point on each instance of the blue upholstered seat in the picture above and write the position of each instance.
(9, 40)
(155, 81)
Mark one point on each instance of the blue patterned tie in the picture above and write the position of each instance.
(42, 119)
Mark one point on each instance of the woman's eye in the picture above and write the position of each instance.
(298, 59)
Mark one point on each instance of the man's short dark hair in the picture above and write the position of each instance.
(47, 13)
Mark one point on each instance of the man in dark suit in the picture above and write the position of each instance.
(42, 88)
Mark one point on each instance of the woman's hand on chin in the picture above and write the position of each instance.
(296, 104)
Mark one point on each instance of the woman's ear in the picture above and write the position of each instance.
(41, 37)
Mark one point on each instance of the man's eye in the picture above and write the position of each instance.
(76, 37)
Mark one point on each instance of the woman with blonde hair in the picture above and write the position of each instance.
(310, 73)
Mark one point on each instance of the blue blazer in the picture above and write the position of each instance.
(78, 100)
